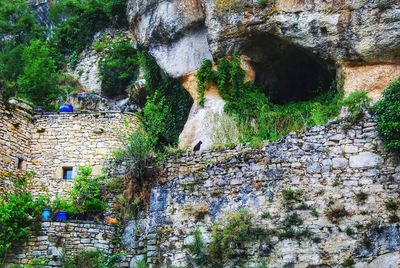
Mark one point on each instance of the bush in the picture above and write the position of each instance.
(18, 211)
(227, 238)
(86, 193)
(356, 102)
(387, 113)
(92, 259)
(118, 68)
(38, 81)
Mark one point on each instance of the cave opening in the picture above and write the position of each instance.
(287, 72)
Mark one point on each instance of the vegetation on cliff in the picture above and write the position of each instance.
(388, 116)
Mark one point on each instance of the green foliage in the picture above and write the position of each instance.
(118, 68)
(18, 211)
(229, 236)
(356, 102)
(167, 106)
(138, 149)
(203, 77)
(92, 259)
(66, 205)
(38, 81)
(290, 196)
(259, 119)
(78, 20)
(197, 248)
(86, 193)
(387, 112)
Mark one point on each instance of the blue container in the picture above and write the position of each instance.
(61, 216)
(66, 108)
(46, 214)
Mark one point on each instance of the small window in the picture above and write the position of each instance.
(20, 163)
(67, 173)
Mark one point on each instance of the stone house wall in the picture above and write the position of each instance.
(329, 165)
(72, 140)
(53, 238)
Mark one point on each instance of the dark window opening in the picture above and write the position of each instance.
(20, 164)
(67, 173)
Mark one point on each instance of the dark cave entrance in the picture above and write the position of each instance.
(287, 72)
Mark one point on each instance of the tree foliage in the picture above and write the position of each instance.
(38, 81)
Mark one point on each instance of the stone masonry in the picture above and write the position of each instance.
(53, 238)
(329, 165)
(49, 142)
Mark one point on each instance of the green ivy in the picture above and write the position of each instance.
(387, 112)
(356, 102)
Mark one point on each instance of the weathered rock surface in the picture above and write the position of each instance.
(180, 33)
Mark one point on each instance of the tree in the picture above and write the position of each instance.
(38, 82)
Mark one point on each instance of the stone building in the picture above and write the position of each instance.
(54, 145)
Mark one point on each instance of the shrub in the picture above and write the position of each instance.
(227, 238)
(387, 112)
(92, 259)
(86, 193)
(356, 102)
(18, 211)
(118, 68)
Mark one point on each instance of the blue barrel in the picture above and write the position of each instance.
(66, 108)
(46, 214)
(61, 216)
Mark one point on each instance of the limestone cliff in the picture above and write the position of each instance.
(294, 45)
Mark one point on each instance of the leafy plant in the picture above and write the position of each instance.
(86, 193)
(356, 102)
(229, 237)
(18, 211)
(387, 112)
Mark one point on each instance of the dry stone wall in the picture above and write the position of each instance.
(53, 238)
(345, 179)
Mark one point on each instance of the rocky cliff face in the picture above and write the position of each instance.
(294, 45)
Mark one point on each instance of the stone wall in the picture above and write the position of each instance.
(337, 169)
(53, 237)
(73, 140)
(15, 134)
